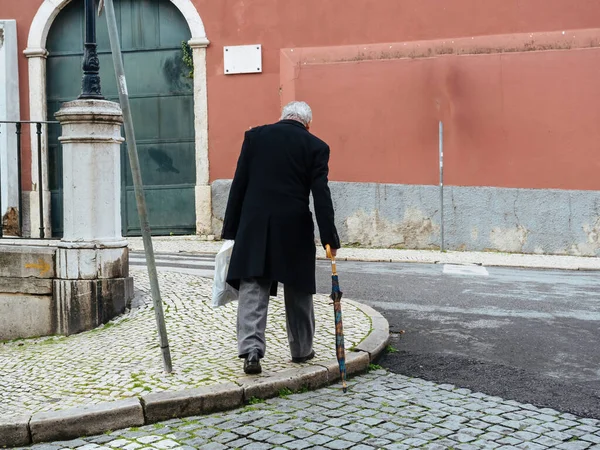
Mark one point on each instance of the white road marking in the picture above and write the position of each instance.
(456, 269)
(199, 265)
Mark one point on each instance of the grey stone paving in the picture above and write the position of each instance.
(380, 411)
(122, 360)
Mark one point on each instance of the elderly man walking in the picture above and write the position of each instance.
(269, 218)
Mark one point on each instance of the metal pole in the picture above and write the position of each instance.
(113, 35)
(38, 131)
(1, 223)
(19, 178)
(441, 141)
(90, 84)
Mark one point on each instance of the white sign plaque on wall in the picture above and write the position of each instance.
(242, 59)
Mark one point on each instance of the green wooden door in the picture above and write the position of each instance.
(160, 90)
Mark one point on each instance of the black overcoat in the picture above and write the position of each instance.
(268, 212)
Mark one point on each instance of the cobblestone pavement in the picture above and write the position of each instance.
(380, 411)
(122, 359)
(197, 244)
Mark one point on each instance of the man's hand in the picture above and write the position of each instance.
(334, 252)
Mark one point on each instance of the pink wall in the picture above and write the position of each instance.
(239, 102)
(375, 119)
(519, 119)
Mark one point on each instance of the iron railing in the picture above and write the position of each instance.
(19, 132)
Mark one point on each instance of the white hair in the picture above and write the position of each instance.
(299, 111)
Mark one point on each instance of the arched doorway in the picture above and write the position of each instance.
(158, 65)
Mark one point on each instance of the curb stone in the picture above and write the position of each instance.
(14, 431)
(311, 377)
(356, 363)
(191, 402)
(137, 411)
(86, 421)
(222, 397)
(378, 339)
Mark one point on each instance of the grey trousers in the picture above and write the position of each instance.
(253, 306)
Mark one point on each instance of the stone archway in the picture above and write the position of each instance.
(36, 53)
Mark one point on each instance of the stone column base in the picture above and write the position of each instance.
(31, 216)
(203, 210)
(85, 261)
(82, 305)
(93, 285)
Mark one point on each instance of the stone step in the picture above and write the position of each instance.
(27, 262)
(33, 286)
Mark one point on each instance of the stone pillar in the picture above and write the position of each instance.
(92, 263)
(37, 113)
(203, 189)
(9, 110)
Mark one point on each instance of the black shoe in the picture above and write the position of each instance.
(303, 359)
(252, 363)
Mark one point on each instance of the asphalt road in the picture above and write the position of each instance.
(528, 335)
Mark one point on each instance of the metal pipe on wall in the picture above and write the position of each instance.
(20, 205)
(441, 151)
(38, 131)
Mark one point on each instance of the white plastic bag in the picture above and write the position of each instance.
(223, 293)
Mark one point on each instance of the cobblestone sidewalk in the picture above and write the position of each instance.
(380, 411)
(122, 359)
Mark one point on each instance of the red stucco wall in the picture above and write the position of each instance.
(525, 118)
(238, 102)
(241, 101)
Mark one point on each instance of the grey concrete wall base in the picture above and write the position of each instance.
(86, 421)
(85, 304)
(14, 431)
(477, 218)
(167, 405)
(377, 340)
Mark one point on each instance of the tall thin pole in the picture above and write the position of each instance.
(20, 190)
(38, 132)
(90, 84)
(113, 35)
(1, 223)
(441, 143)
